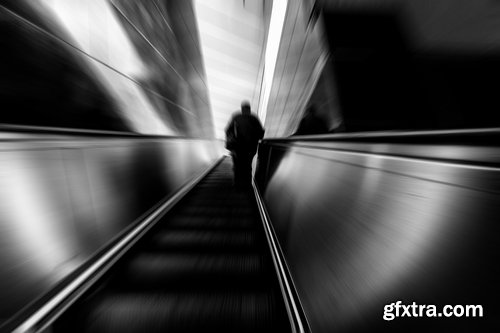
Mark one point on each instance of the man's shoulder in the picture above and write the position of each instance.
(247, 120)
(251, 117)
(256, 120)
(233, 117)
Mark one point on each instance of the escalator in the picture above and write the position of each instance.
(205, 267)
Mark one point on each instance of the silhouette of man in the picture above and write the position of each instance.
(312, 123)
(243, 133)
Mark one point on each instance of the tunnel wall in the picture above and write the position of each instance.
(65, 198)
(103, 65)
(364, 224)
(410, 65)
(300, 73)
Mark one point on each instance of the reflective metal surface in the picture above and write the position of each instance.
(300, 76)
(203, 267)
(362, 230)
(103, 65)
(62, 198)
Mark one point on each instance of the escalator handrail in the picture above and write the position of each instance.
(36, 132)
(51, 309)
(294, 308)
(468, 134)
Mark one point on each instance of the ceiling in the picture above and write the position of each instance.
(232, 35)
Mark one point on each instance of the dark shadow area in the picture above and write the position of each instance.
(43, 81)
(385, 83)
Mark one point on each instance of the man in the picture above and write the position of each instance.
(242, 137)
(311, 123)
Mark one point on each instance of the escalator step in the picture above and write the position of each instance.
(187, 221)
(174, 312)
(208, 211)
(161, 270)
(203, 240)
(205, 267)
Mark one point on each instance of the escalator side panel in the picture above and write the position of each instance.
(205, 267)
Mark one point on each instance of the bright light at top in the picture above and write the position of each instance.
(232, 35)
(97, 32)
(93, 25)
(272, 47)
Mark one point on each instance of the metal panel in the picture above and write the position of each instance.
(64, 198)
(362, 230)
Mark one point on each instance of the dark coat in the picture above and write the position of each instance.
(246, 131)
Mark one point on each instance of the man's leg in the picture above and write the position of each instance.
(236, 168)
(242, 168)
(246, 170)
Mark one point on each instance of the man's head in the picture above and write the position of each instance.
(245, 107)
